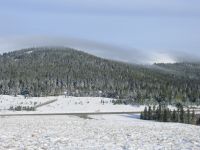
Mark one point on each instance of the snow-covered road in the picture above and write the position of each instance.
(108, 132)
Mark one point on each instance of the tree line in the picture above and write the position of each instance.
(164, 114)
(48, 71)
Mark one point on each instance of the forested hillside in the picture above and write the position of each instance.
(52, 71)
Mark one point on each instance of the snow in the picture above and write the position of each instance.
(29, 52)
(65, 104)
(118, 132)
(7, 101)
(86, 104)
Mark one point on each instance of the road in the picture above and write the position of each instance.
(71, 114)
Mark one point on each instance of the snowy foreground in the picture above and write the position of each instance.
(65, 105)
(108, 132)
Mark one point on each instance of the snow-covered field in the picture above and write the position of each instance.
(68, 104)
(107, 132)
(86, 104)
(7, 101)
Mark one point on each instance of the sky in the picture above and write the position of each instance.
(134, 31)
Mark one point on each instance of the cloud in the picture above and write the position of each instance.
(114, 52)
(96, 48)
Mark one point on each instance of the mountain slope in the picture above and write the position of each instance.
(51, 71)
(189, 70)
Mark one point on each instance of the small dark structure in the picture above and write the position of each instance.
(25, 93)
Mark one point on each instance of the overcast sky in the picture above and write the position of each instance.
(141, 31)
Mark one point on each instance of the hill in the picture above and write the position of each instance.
(52, 71)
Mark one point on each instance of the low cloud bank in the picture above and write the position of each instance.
(120, 53)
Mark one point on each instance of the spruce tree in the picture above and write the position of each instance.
(198, 121)
(169, 113)
(188, 120)
(142, 115)
(159, 113)
(145, 113)
(149, 113)
(165, 115)
(173, 117)
(193, 120)
(182, 115)
(154, 113)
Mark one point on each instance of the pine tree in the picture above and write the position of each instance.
(165, 115)
(142, 115)
(193, 120)
(188, 116)
(182, 115)
(169, 114)
(174, 116)
(198, 121)
(145, 113)
(154, 113)
(159, 115)
(149, 113)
